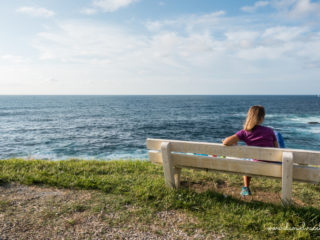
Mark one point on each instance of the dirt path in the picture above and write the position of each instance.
(32, 212)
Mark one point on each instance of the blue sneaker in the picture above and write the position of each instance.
(245, 191)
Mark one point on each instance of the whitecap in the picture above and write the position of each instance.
(306, 119)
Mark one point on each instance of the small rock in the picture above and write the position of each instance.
(313, 122)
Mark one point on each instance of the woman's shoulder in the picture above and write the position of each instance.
(264, 128)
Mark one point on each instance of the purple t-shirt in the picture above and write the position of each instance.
(260, 136)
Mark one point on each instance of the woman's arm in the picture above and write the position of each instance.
(232, 140)
(275, 143)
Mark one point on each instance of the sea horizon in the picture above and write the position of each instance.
(159, 94)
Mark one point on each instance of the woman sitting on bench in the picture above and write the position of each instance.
(253, 134)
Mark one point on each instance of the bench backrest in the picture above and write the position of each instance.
(184, 154)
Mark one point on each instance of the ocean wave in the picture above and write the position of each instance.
(304, 119)
(309, 130)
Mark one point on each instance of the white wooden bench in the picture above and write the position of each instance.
(174, 155)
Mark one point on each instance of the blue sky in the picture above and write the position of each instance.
(160, 47)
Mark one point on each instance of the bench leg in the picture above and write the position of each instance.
(177, 173)
(168, 168)
(287, 174)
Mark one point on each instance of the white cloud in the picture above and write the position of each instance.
(207, 53)
(241, 39)
(284, 34)
(303, 8)
(52, 80)
(257, 5)
(297, 9)
(119, 48)
(88, 11)
(112, 5)
(229, 37)
(78, 41)
(189, 23)
(36, 11)
(9, 58)
(114, 46)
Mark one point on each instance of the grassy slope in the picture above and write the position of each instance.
(141, 184)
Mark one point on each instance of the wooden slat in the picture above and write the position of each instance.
(229, 165)
(305, 174)
(300, 173)
(155, 157)
(304, 156)
(270, 154)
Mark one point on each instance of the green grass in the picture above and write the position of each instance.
(3, 205)
(141, 184)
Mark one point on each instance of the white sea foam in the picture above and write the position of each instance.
(276, 115)
(239, 114)
(309, 130)
(305, 119)
(140, 154)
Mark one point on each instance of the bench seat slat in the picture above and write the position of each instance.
(300, 173)
(270, 154)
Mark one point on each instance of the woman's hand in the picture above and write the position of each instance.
(232, 140)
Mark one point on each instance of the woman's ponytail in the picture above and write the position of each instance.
(254, 117)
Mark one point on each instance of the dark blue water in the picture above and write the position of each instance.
(113, 127)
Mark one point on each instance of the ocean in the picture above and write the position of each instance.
(116, 127)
